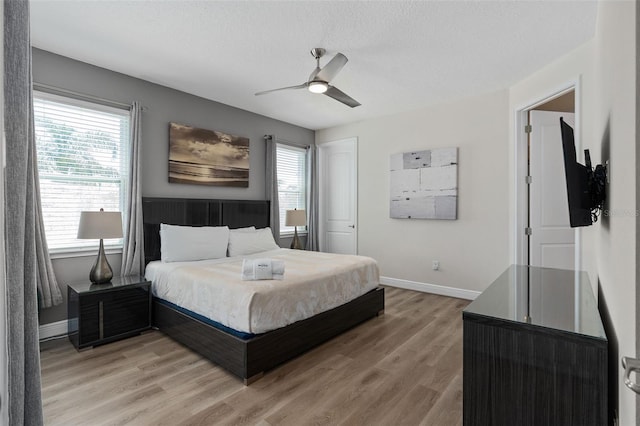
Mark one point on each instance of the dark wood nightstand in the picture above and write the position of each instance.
(102, 313)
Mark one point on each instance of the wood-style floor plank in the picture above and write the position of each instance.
(402, 368)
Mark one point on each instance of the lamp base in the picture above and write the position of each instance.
(295, 243)
(101, 272)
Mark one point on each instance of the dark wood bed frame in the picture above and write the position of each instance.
(246, 358)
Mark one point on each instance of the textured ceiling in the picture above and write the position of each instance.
(402, 55)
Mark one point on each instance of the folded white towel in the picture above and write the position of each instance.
(262, 269)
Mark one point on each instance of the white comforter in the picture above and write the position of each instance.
(313, 282)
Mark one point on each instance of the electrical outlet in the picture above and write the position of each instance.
(436, 265)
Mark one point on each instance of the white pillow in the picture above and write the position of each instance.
(247, 229)
(241, 243)
(184, 243)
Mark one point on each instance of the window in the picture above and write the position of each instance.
(82, 162)
(292, 181)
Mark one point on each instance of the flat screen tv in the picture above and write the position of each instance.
(585, 186)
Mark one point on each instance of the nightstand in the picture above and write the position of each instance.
(102, 313)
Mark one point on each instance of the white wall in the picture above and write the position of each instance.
(472, 250)
(615, 138)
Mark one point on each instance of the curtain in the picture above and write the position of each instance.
(49, 293)
(312, 199)
(25, 400)
(271, 186)
(133, 246)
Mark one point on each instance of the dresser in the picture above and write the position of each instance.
(535, 351)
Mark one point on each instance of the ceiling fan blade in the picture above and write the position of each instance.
(299, 86)
(333, 67)
(340, 96)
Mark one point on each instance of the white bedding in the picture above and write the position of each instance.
(313, 282)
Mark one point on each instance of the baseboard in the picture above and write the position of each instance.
(430, 288)
(53, 329)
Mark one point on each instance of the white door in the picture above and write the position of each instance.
(337, 176)
(552, 240)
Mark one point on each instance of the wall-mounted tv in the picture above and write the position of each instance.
(586, 187)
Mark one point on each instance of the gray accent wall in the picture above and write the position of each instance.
(162, 106)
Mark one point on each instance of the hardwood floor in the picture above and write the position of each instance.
(403, 368)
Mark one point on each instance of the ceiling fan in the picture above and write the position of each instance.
(319, 79)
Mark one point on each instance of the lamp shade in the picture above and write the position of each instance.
(296, 218)
(98, 225)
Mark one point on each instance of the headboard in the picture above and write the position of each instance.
(197, 212)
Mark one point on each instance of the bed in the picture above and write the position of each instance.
(244, 350)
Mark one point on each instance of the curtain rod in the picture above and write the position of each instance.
(286, 142)
(81, 96)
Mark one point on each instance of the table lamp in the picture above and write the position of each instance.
(100, 225)
(296, 218)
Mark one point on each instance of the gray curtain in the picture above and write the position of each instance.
(133, 246)
(312, 199)
(49, 293)
(271, 185)
(25, 401)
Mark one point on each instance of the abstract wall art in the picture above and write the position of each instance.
(207, 157)
(424, 184)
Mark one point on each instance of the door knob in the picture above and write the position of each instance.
(630, 365)
(352, 226)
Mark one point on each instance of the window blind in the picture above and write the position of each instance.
(292, 186)
(82, 153)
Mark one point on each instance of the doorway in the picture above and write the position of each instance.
(543, 235)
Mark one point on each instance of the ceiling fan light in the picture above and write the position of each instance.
(318, 87)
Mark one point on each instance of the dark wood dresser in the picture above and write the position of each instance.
(535, 351)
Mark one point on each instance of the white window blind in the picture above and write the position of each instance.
(82, 153)
(292, 185)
